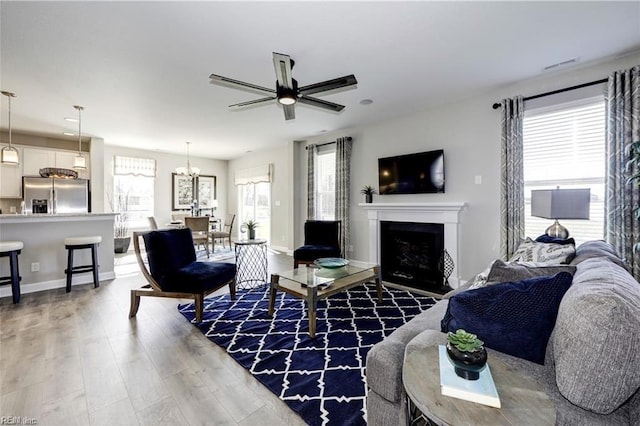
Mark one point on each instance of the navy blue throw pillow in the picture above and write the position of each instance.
(515, 318)
(544, 238)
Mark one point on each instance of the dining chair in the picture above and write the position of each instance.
(152, 223)
(226, 232)
(179, 216)
(199, 226)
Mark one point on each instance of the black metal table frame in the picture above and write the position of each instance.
(251, 263)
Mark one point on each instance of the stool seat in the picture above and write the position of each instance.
(81, 241)
(7, 246)
(11, 249)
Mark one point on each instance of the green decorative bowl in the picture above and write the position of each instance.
(331, 262)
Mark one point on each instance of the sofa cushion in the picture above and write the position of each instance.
(312, 252)
(516, 318)
(504, 272)
(549, 253)
(198, 277)
(597, 337)
(594, 249)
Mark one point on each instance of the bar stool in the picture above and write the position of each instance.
(12, 249)
(79, 243)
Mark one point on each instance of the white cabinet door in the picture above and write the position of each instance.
(36, 159)
(11, 179)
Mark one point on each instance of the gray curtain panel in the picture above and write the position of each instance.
(311, 182)
(343, 183)
(512, 177)
(623, 195)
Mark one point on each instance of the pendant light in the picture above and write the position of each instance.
(9, 155)
(79, 162)
(188, 171)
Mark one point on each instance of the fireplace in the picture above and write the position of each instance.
(410, 253)
(441, 229)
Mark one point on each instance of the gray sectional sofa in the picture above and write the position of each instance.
(592, 363)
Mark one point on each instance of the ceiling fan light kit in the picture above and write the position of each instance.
(287, 92)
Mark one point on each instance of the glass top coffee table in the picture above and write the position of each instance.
(312, 284)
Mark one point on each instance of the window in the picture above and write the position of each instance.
(255, 204)
(326, 183)
(133, 189)
(564, 146)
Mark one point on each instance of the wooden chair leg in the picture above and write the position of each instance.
(94, 259)
(135, 304)
(199, 304)
(295, 263)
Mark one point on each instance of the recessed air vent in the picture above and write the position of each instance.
(563, 64)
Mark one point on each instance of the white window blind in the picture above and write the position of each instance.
(134, 166)
(564, 146)
(253, 175)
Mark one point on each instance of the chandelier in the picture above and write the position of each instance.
(79, 162)
(188, 171)
(9, 155)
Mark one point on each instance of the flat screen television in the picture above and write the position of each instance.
(420, 173)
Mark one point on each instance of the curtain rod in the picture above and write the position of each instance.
(553, 92)
(326, 143)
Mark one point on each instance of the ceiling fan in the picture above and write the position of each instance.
(287, 92)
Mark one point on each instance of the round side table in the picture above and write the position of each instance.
(251, 263)
(523, 400)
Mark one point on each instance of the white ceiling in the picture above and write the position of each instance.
(141, 69)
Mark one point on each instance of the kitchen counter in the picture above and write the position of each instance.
(44, 257)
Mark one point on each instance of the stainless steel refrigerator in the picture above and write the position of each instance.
(53, 195)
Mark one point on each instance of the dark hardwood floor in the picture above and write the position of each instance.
(77, 359)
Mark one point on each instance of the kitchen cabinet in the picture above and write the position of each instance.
(11, 179)
(36, 159)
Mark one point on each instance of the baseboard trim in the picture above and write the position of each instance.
(53, 284)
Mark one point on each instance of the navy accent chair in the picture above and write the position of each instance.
(172, 270)
(321, 239)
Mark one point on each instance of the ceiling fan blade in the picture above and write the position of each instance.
(237, 84)
(282, 64)
(289, 112)
(255, 102)
(336, 83)
(320, 103)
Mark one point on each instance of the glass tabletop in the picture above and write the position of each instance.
(312, 276)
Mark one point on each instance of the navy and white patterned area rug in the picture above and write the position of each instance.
(322, 379)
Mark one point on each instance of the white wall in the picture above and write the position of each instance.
(165, 165)
(469, 132)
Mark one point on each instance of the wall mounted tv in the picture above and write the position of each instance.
(421, 173)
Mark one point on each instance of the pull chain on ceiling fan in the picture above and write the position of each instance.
(287, 92)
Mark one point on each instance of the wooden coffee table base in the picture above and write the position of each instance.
(313, 294)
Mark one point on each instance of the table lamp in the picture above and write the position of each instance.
(560, 204)
(214, 206)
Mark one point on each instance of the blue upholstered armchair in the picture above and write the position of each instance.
(321, 239)
(172, 270)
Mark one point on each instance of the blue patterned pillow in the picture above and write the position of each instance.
(515, 318)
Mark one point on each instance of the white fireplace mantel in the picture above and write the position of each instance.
(446, 213)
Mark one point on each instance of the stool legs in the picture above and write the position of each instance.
(93, 267)
(15, 276)
(94, 259)
(69, 270)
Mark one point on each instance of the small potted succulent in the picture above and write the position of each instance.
(368, 192)
(467, 353)
(250, 225)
